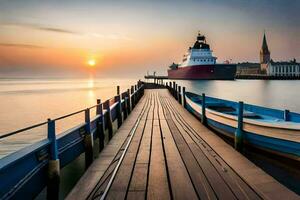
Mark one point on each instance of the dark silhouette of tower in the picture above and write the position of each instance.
(264, 54)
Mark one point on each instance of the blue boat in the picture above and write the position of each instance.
(272, 130)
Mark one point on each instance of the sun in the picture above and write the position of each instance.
(91, 62)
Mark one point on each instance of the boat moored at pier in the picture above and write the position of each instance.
(272, 130)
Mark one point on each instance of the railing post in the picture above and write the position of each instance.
(238, 139)
(53, 175)
(88, 140)
(100, 124)
(286, 115)
(135, 95)
(118, 90)
(179, 94)
(128, 101)
(204, 119)
(106, 106)
(124, 108)
(119, 110)
(132, 97)
(142, 90)
(184, 99)
(173, 90)
(176, 91)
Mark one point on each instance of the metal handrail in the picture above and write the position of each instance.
(22, 130)
(56, 119)
(68, 115)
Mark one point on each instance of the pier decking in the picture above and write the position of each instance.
(161, 151)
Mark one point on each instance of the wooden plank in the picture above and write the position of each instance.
(99, 167)
(121, 181)
(224, 184)
(138, 184)
(158, 187)
(102, 184)
(198, 178)
(249, 173)
(182, 187)
(136, 195)
(219, 168)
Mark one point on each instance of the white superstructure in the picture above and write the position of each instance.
(199, 54)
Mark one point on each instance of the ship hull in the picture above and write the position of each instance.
(204, 72)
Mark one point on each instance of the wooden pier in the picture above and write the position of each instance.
(161, 151)
(156, 79)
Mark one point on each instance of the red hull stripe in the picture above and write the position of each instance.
(220, 71)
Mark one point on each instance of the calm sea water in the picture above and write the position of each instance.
(281, 94)
(29, 101)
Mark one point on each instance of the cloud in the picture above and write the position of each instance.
(41, 27)
(58, 30)
(28, 46)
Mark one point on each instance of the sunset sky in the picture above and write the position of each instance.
(128, 38)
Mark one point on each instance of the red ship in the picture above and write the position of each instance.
(199, 63)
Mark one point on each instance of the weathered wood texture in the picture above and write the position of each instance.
(173, 156)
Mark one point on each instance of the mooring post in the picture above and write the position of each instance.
(119, 110)
(173, 91)
(135, 95)
(138, 93)
(100, 124)
(184, 99)
(132, 97)
(286, 115)
(128, 101)
(118, 90)
(124, 106)
(176, 91)
(53, 175)
(106, 106)
(238, 138)
(179, 94)
(204, 119)
(88, 140)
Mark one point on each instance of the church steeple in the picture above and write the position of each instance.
(264, 52)
(264, 47)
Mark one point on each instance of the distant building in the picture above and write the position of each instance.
(283, 69)
(267, 66)
(248, 68)
(264, 55)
